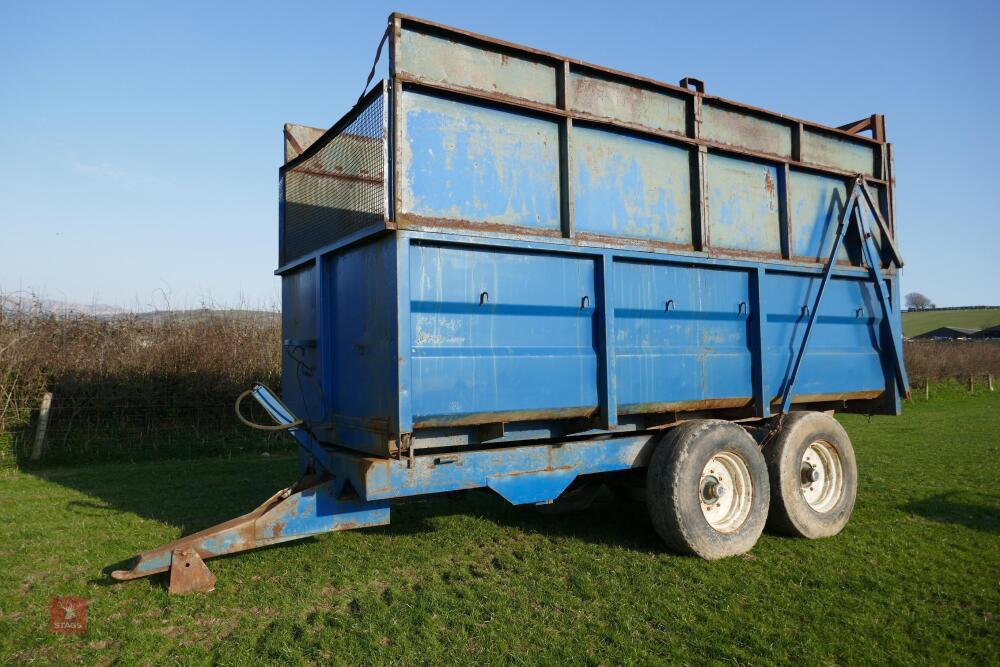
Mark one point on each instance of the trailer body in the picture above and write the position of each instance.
(508, 269)
(499, 244)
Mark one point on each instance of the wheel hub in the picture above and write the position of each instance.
(725, 491)
(822, 476)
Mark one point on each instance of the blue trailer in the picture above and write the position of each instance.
(508, 269)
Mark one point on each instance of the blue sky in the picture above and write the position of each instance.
(140, 142)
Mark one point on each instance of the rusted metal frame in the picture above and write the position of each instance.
(690, 82)
(685, 406)
(388, 147)
(797, 132)
(337, 128)
(565, 154)
(699, 193)
(396, 114)
(580, 246)
(758, 321)
(557, 114)
(875, 123)
(411, 221)
(785, 209)
(632, 242)
(291, 139)
(606, 341)
(340, 176)
(546, 57)
(436, 421)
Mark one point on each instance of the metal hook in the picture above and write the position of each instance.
(742, 309)
(484, 297)
(859, 312)
(585, 302)
(668, 305)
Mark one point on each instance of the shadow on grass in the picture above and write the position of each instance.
(978, 511)
(196, 494)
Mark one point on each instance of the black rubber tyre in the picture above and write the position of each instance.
(577, 497)
(791, 513)
(675, 489)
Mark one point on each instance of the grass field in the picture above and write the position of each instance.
(918, 322)
(913, 578)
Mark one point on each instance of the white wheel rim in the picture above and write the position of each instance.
(725, 492)
(822, 476)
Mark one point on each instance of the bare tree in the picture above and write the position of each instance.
(917, 301)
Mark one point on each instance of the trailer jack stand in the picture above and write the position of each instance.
(309, 508)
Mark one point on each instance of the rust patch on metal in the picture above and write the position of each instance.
(685, 406)
(189, 574)
(770, 190)
(479, 418)
(423, 223)
(843, 396)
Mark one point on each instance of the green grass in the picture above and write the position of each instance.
(912, 579)
(918, 322)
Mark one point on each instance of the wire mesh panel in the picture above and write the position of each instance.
(337, 186)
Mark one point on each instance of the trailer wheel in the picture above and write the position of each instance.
(576, 498)
(814, 476)
(707, 489)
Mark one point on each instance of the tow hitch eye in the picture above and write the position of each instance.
(810, 475)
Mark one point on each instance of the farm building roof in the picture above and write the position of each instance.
(948, 332)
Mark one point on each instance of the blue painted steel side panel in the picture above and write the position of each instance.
(627, 186)
(743, 200)
(844, 351)
(463, 161)
(300, 334)
(680, 334)
(498, 332)
(360, 344)
(439, 331)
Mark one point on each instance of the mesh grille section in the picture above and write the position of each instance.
(339, 188)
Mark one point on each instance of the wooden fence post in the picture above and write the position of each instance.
(43, 424)
(989, 379)
(972, 384)
(927, 390)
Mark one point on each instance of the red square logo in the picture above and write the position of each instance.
(68, 615)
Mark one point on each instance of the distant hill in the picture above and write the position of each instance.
(922, 321)
(31, 306)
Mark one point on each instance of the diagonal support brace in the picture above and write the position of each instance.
(852, 213)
